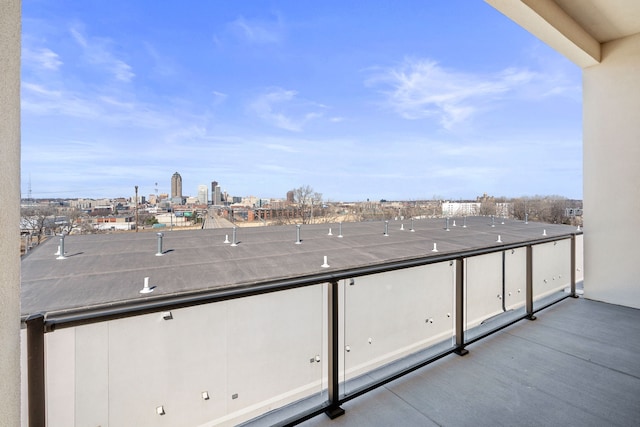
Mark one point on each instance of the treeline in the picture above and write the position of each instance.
(551, 209)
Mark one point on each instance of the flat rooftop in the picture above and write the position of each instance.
(103, 269)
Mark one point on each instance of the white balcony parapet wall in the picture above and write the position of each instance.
(611, 106)
(611, 173)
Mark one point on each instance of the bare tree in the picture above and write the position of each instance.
(38, 220)
(518, 208)
(549, 209)
(306, 198)
(555, 212)
(72, 219)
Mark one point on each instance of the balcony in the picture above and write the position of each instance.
(577, 364)
(266, 333)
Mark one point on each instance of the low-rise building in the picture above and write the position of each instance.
(113, 223)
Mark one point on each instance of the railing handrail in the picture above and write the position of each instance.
(58, 319)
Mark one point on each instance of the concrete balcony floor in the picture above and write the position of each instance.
(578, 364)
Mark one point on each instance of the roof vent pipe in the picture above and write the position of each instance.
(298, 241)
(226, 239)
(526, 218)
(412, 230)
(160, 235)
(330, 233)
(446, 227)
(61, 254)
(234, 241)
(147, 289)
(325, 264)
(544, 232)
(499, 239)
(435, 248)
(386, 228)
(454, 223)
(464, 222)
(402, 227)
(493, 221)
(340, 233)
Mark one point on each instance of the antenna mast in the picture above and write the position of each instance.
(29, 202)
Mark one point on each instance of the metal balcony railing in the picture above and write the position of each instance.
(342, 379)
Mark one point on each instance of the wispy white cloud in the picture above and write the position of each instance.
(418, 89)
(277, 169)
(42, 58)
(281, 147)
(40, 100)
(102, 108)
(281, 108)
(187, 134)
(78, 37)
(163, 65)
(98, 51)
(258, 32)
(122, 71)
(219, 97)
(41, 90)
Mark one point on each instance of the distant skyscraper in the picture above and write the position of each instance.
(217, 196)
(176, 185)
(203, 194)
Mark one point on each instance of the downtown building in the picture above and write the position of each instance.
(176, 189)
(203, 194)
(216, 194)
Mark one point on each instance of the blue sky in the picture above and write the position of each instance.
(360, 100)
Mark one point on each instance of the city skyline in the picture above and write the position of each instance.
(417, 100)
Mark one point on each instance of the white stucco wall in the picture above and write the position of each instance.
(612, 174)
(9, 212)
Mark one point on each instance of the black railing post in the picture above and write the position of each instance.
(573, 266)
(35, 370)
(459, 308)
(529, 284)
(333, 410)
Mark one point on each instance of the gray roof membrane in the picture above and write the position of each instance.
(102, 269)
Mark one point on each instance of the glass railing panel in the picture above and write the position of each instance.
(91, 355)
(483, 288)
(24, 377)
(275, 350)
(390, 315)
(515, 278)
(152, 368)
(551, 271)
(60, 377)
(221, 363)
